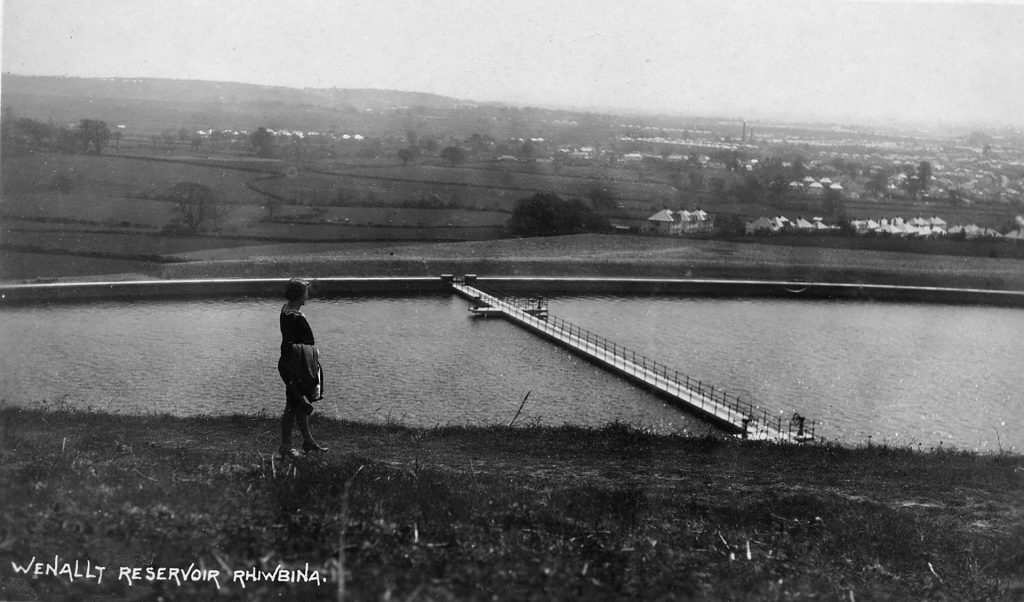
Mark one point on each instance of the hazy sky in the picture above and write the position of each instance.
(824, 59)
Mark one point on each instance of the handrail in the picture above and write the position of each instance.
(753, 419)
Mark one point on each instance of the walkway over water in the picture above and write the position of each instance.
(729, 412)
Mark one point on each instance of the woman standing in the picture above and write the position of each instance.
(300, 369)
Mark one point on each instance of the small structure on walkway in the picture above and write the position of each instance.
(729, 412)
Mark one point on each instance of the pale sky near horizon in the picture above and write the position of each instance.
(945, 62)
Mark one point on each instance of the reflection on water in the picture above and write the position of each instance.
(907, 374)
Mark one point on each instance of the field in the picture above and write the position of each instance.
(58, 212)
(485, 512)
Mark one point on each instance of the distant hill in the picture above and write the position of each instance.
(152, 104)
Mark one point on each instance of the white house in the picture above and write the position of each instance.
(693, 221)
(781, 223)
(803, 225)
(662, 222)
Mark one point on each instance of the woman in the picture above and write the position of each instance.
(299, 367)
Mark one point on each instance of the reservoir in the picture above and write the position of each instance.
(908, 374)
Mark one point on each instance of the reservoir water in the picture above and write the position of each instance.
(905, 374)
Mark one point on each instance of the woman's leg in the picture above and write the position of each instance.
(287, 421)
(303, 421)
(302, 414)
(288, 418)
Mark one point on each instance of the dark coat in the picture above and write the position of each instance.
(300, 367)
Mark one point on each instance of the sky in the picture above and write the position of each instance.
(951, 62)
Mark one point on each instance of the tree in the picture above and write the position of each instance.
(408, 154)
(878, 183)
(430, 144)
(527, 150)
(601, 199)
(717, 186)
(197, 205)
(833, 202)
(454, 155)
(924, 175)
(798, 169)
(546, 214)
(953, 195)
(68, 140)
(749, 189)
(263, 142)
(94, 134)
(777, 188)
(25, 129)
(912, 185)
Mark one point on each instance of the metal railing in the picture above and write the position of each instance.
(750, 419)
(535, 304)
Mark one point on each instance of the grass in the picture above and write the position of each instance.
(621, 256)
(494, 512)
(120, 177)
(610, 256)
(489, 182)
(112, 213)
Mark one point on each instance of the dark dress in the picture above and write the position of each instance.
(299, 364)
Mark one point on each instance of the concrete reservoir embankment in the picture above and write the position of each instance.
(14, 294)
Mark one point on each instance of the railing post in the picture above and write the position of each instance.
(662, 377)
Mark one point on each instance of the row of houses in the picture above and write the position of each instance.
(812, 186)
(679, 222)
(931, 227)
(897, 226)
(918, 227)
(973, 232)
(781, 223)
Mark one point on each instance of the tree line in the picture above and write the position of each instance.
(87, 136)
(547, 214)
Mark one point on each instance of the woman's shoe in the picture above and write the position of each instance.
(310, 446)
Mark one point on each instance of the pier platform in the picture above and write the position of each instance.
(729, 412)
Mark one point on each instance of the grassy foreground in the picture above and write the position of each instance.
(491, 513)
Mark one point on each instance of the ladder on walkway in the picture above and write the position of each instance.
(733, 414)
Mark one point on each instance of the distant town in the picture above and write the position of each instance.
(344, 165)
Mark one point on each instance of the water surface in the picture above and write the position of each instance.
(902, 373)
